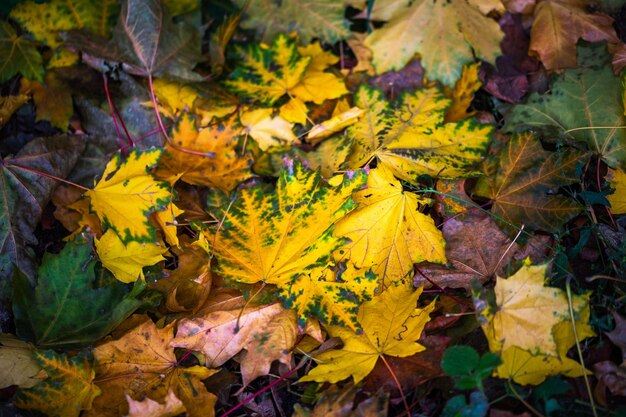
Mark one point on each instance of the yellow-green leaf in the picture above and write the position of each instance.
(127, 194)
(446, 34)
(617, 179)
(18, 55)
(266, 73)
(126, 261)
(8, 106)
(410, 138)
(67, 391)
(391, 324)
(387, 232)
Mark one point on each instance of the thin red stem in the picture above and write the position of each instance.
(146, 135)
(54, 177)
(113, 113)
(395, 379)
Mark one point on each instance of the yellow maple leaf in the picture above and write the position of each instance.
(521, 299)
(617, 178)
(127, 194)
(67, 390)
(278, 237)
(126, 261)
(166, 220)
(266, 130)
(463, 94)
(410, 137)
(391, 324)
(387, 232)
(214, 163)
(141, 364)
(335, 124)
(8, 106)
(446, 34)
(526, 367)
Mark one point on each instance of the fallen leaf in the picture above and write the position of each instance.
(141, 364)
(579, 100)
(75, 375)
(26, 193)
(265, 333)
(336, 124)
(217, 165)
(559, 24)
(329, 155)
(322, 19)
(524, 182)
(65, 308)
(447, 35)
(273, 238)
(150, 408)
(9, 105)
(391, 324)
(266, 130)
(127, 194)
(146, 40)
(53, 99)
(19, 367)
(18, 55)
(410, 138)
(463, 94)
(387, 232)
(126, 260)
(166, 220)
(342, 402)
(611, 376)
(618, 334)
(617, 180)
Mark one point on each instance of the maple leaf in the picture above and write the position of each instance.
(340, 402)
(126, 260)
(266, 73)
(523, 185)
(25, 194)
(127, 194)
(68, 389)
(337, 123)
(463, 94)
(266, 333)
(310, 18)
(387, 232)
(146, 40)
(18, 55)
(46, 20)
(559, 24)
(410, 138)
(221, 167)
(617, 180)
(584, 104)
(266, 130)
(17, 363)
(65, 309)
(53, 99)
(150, 408)
(329, 155)
(277, 238)
(391, 324)
(142, 365)
(9, 105)
(446, 34)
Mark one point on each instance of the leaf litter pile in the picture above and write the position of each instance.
(313, 208)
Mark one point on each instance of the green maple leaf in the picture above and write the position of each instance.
(18, 55)
(584, 104)
(65, 309)
(524, 183)
(410, 137)
(321, 19)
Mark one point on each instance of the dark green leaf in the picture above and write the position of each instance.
(65, 309)
(18, 55)
(459, 360)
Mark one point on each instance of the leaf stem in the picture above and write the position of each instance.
(523, 401)
(395, 379)
(53, 177)
(568, 288)
(114, 116)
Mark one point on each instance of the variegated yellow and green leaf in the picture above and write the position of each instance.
(127, 194)
(18, 55)
(411, 139)
(281, 237)
(46, 20)
(67, 391)
(266, 73)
